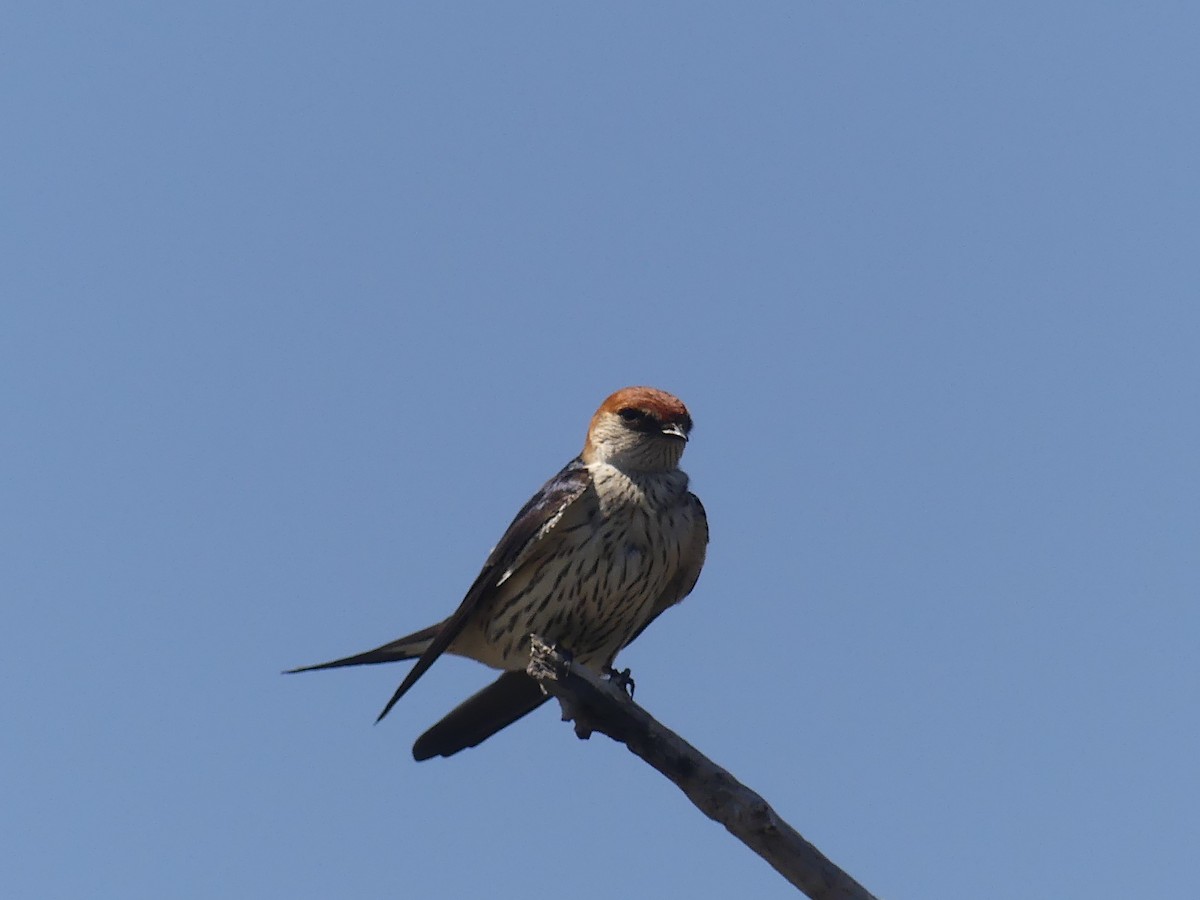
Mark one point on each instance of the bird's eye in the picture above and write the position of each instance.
(629, 414)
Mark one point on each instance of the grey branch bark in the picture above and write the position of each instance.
(596, 704)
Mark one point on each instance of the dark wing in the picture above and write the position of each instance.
(533, 524)
(512, 695)
(690, 564)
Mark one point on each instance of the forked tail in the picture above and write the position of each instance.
(410, 646)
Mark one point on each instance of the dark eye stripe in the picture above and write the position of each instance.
(630, 414)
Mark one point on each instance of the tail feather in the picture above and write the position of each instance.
(508, 698)
(408, 647)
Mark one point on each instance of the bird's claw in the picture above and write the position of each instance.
(622, 679)
(545, 658)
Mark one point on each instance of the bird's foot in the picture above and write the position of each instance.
(564, 653)
(545, 657)
(622, 679)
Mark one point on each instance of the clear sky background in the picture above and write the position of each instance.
(300, 301)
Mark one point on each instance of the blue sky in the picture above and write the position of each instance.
(301, 301)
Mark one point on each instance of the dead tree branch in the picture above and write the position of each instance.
(595, 704)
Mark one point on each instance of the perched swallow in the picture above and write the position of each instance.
(594, 557)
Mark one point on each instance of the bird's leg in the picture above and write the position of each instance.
(565, 656)
(622, 679)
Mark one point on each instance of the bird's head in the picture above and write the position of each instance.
(640, 429)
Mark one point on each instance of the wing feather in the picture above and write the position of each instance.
(530, 530)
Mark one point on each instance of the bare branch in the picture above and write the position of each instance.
(595, 704)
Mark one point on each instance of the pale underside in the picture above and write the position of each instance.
(597, 575)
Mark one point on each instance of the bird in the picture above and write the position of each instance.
(610, 542)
